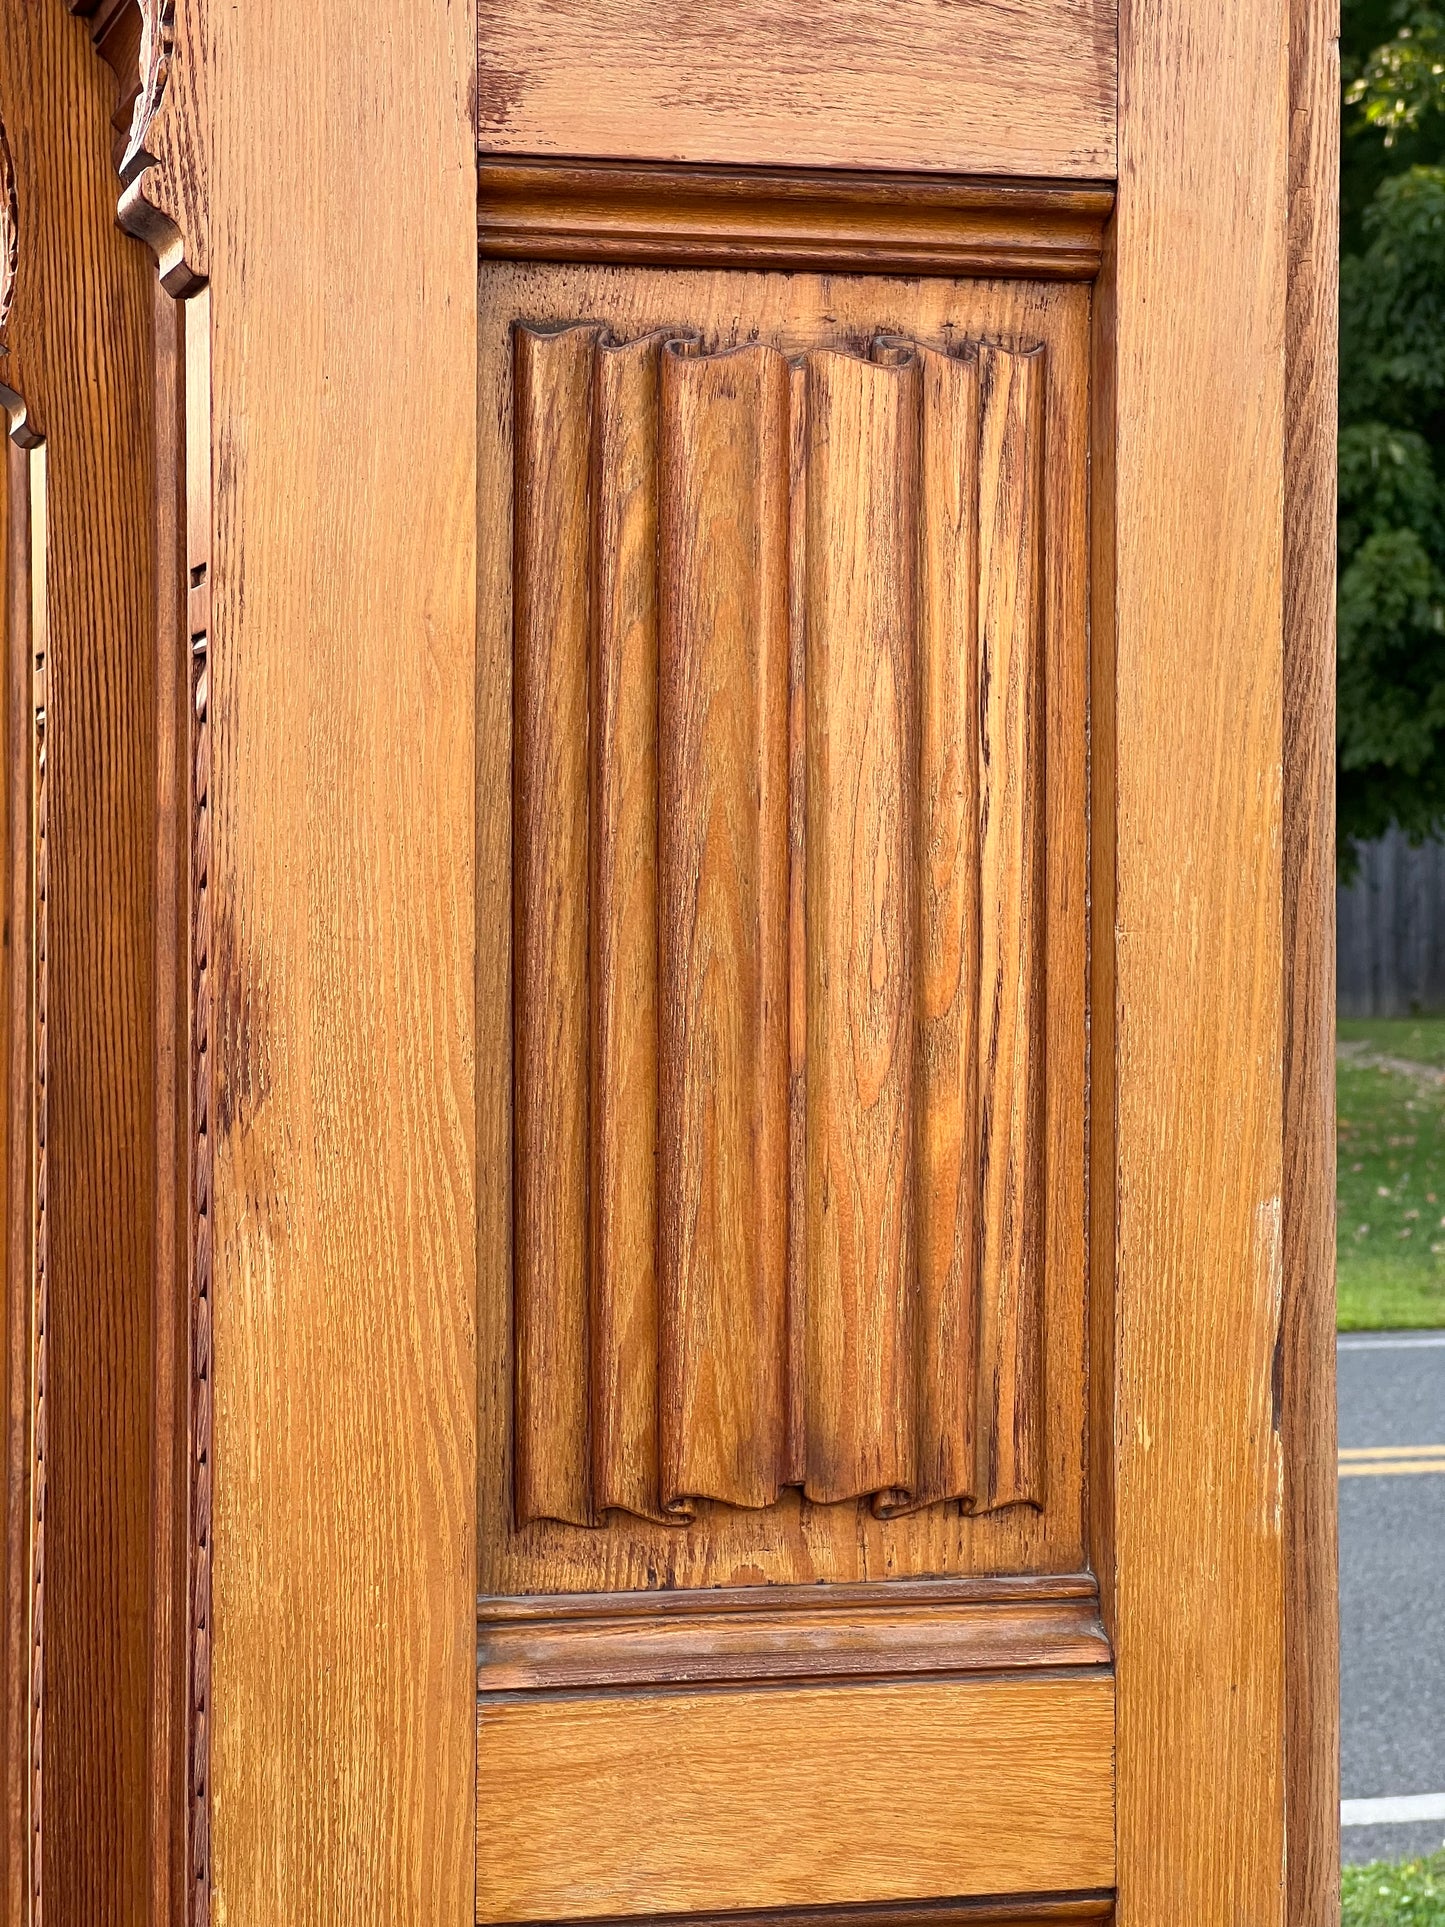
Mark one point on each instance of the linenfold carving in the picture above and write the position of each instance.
(778, 924)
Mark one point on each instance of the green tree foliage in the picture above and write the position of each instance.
(1392, 422)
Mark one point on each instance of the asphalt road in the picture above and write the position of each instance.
(1392, 1589)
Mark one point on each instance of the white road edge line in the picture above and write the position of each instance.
(1433, 1340)
(1394, 1811)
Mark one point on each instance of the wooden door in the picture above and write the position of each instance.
(744, 964)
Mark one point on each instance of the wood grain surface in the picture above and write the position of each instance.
(722, 938)
(1198, 308)
(847, 1796)
(1010, 910)
(864, 1389)
(1007, 87)
(17, 1017)
(623, 959)
(551, 756)
(345, 934)
(862, 802)
(869, 1632)
(81, 361)
(1312, 1687)
(834, 219)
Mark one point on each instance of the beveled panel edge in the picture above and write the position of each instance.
(989, 1910)
(652, 214)
(891, 1630)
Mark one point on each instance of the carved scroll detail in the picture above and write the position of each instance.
(157, 45)
(9, 231)
(778, 764)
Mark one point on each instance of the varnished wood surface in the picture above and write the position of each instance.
(584, 1803)
(989, 1911)
(552, 1642)
(81, 359)
(1312, 1736)
(1198, 302)
(17, 1017)
(343, 795)
(645, 214)
(887, 1394)
(1007, 87)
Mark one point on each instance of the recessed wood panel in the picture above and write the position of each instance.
(677, 1802)
(1020, 87)
(789, 607)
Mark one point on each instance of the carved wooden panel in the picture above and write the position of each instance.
(792, 657)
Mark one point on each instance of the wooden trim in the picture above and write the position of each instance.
(662, 216)
(1199, 276)
(869, 1632)
(987, 1911)
(19, 1016)
(1312, 1681)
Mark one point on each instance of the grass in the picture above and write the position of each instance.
(1384, 1895)
(1391, 1238)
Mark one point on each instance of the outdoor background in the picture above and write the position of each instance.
(1391, 786)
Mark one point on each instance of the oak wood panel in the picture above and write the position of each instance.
(1312, 1776)
(992, 1911)
(946, 880)
(793, 1633)
(1010, 542)
(81, 362)
(18, 1021)
(539, 210)
(722, 952)
(600, 1805)
(1009, 87)
(623, 958)
(553, 624)
(799, 1540)
(1199, 304)
(343, 806)
(862, 535)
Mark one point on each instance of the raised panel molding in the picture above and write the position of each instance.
(778, 924)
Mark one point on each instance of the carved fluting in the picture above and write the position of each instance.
(778, 925)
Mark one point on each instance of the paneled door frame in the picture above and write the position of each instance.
(314, 1534)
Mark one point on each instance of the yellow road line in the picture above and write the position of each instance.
(1392, 1452)
(1385, 1468)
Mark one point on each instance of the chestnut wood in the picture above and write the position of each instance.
(650, 215)
(795, 1633)
(792, 1796)
(864, 1382)
(1007, 87)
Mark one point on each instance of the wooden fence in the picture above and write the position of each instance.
(1392, 931)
